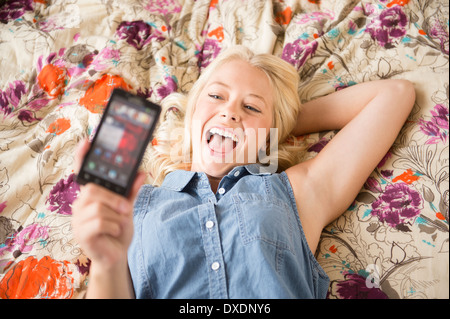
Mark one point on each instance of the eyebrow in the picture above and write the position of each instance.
(251, 94)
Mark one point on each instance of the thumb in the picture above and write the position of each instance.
(80, 152)
(137, 184)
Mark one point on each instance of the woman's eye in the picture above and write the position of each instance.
(251, 108)
(214, 96)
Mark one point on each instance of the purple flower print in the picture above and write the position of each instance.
(389, 27)
(373, 185)
(26, 116)
(437, 127)
(297, 53)
(398, 205)
(388, 173)
(62, 196)
(440, 116)
(170, 87)
(208, 53)
(10, 98)
(137, 33)
(317, 147)
(437, 31)
(354, 286)
(14, 9)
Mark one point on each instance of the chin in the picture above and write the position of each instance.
(215, 166)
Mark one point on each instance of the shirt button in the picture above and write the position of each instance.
(215, 265)
(236, 174)
(209, 224)
(221, 191)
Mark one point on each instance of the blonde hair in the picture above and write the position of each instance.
(168, 155)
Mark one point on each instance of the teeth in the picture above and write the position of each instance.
(218, 131)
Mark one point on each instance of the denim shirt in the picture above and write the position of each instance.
(244, 241)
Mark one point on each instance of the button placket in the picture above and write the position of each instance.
(213, 251)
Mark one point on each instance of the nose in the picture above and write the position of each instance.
(230, 112)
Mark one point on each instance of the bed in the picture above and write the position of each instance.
(60, 60)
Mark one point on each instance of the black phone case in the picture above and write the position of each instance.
(84, 177)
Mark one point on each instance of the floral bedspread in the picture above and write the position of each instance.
(60, 59)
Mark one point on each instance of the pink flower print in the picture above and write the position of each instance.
(318, 16)
(2, 206)
(25, 239)
(105, 58)
(163, 7)
(49, 25)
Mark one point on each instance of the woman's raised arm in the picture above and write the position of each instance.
(369, 117)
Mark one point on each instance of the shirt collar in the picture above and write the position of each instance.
(178, 180)
(258, 169)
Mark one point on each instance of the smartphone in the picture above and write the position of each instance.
(119, 143)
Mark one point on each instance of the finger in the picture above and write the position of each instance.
(80, 152)
(96, 193)
(103, 226)
(86, 212)
(98, 219)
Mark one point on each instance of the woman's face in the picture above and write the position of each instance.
(232, 118)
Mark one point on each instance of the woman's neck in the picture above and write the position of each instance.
(214, 182)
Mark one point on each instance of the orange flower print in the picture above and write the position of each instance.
(97, 95)
(218, 33)
(52, 79)
(397, 2)
(284, 17)
(213, 4)
(38, 279)
(59, 126)
(408, 177)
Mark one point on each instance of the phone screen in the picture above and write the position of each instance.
(120, 141)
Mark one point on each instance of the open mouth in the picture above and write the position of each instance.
(221, 140)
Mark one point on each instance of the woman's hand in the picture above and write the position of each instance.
(103, 220)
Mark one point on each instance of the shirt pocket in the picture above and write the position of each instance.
(264, 218)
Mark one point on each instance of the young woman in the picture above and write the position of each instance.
(223, 223)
